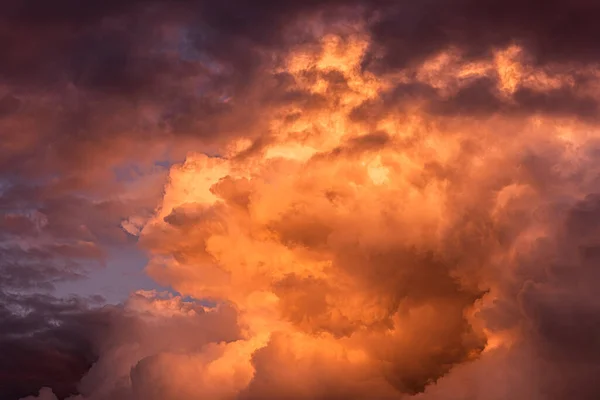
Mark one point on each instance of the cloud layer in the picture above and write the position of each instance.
(378, 200)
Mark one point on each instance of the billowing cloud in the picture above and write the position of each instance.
(373, 200)
(387, 254)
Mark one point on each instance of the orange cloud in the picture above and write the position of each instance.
(370, 247)
(346, 253)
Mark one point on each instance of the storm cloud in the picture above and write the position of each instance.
(345, 199)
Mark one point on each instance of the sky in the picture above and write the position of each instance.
(312, 200)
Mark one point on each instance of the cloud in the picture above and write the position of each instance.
(47, 341)
(373, 199)
(359, 273)
(151, 331)
(127, 80)
(45, 394)
(561, 32)
(356, 272)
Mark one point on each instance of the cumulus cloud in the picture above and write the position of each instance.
(379, 200)
(381, 257)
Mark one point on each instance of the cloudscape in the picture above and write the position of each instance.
(298, 200)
